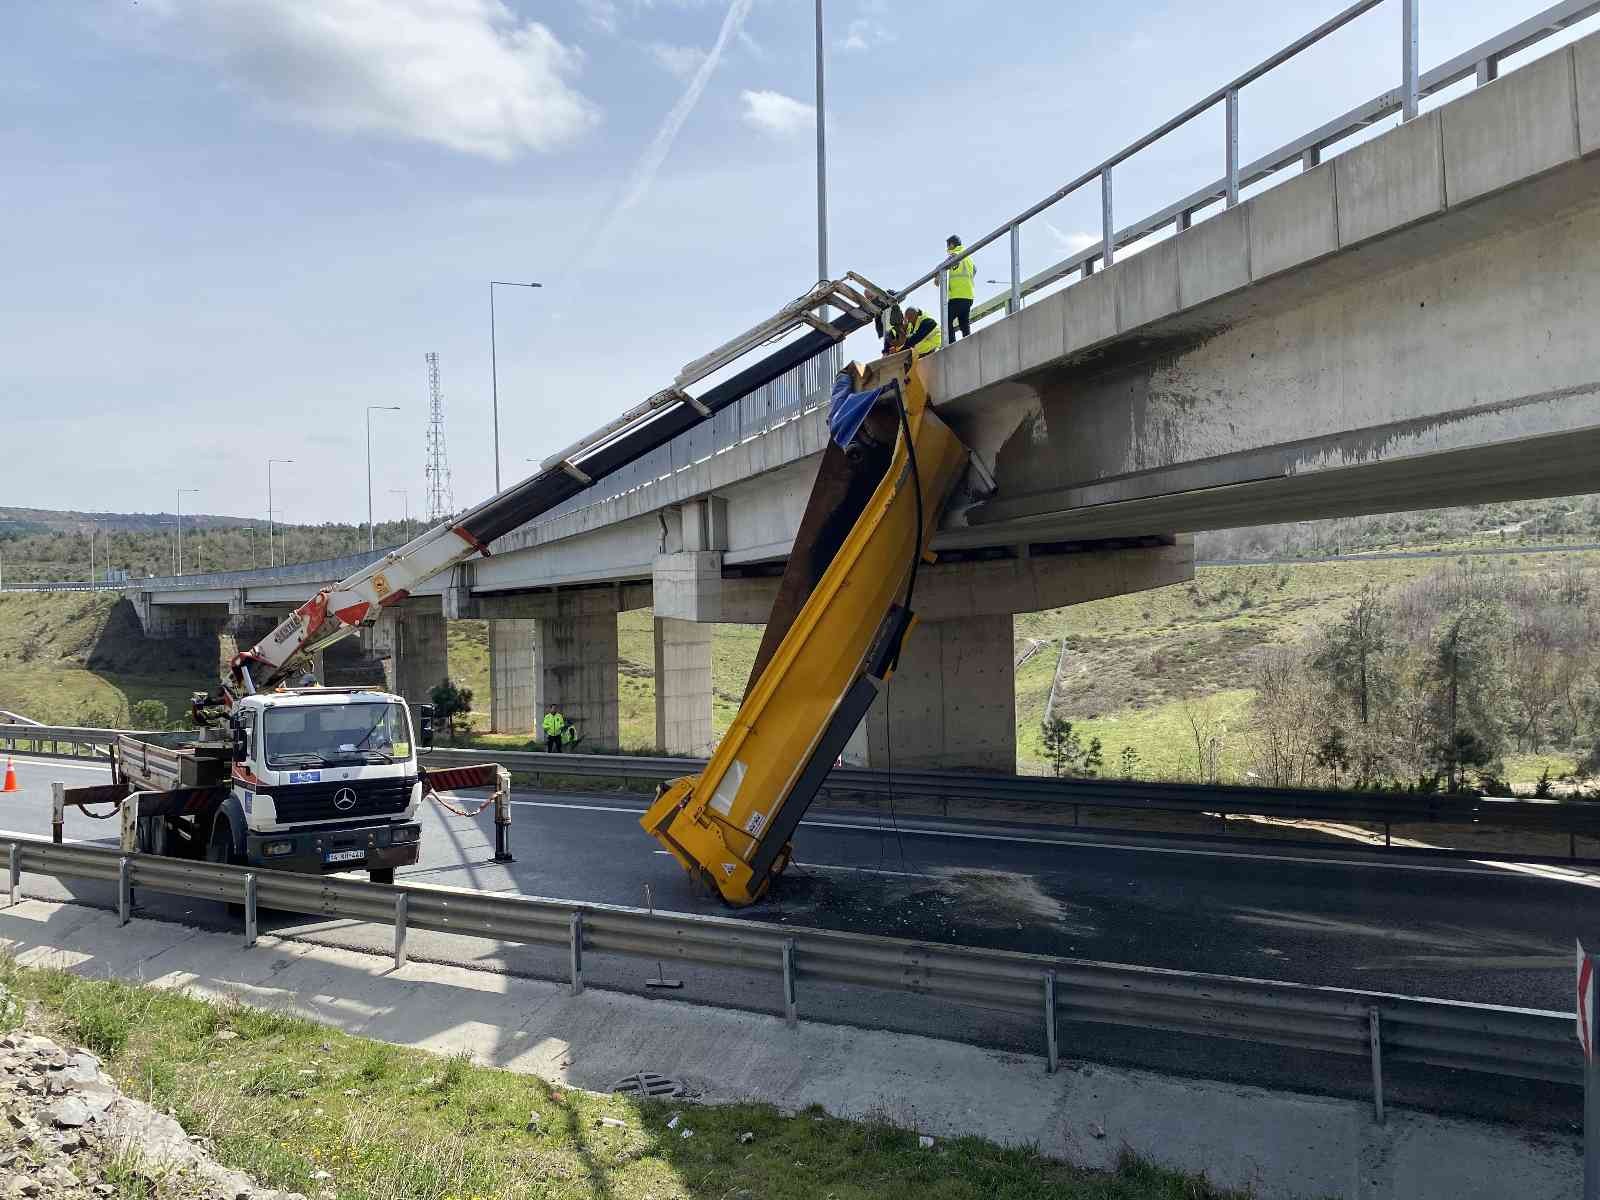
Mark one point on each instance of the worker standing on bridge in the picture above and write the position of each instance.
(921, 333)
(959, 291)
(555, 727)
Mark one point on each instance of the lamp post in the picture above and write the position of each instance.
(494, 372)
(822, 165)
(272, 560)
(372, 408)
(181, 493)
(405, 498)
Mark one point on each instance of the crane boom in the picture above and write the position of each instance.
(342, 609)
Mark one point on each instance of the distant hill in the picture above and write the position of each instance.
(51, 520)
(40, 545)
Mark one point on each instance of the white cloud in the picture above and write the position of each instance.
(644, 171)
(776, 114)
(681, 62)
(602, 15)
(865, 33)
(1072, 242)
(468, 75)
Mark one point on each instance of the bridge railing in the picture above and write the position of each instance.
(1487, 1039)
(1413, 85)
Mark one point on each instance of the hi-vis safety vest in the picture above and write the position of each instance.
(553, 724)
(929, 344)
(962, 276)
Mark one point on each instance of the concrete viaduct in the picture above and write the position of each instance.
(1406, 324)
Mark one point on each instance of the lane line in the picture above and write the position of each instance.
(807, 866)
(68, 765)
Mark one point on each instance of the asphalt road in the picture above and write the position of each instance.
(1484, 933)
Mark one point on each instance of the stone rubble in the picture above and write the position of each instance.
(64, 1124)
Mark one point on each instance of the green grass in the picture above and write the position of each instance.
(285, 1099)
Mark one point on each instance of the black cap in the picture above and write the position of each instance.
(953, 240)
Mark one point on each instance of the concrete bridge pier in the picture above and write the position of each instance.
(558, 648)
(412, 644)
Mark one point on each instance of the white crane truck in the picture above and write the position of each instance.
(318, 779)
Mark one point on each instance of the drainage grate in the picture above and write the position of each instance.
(648, 1083)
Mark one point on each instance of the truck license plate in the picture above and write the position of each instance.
(334, 856)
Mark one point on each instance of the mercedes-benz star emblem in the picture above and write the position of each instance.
(344, 799)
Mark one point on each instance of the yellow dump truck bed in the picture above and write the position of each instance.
(830, 645)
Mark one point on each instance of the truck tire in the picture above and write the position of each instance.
(381, 874)
(219, 849)
(153, 836)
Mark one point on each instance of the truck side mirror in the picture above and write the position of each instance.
(425, 726)
(241, 744)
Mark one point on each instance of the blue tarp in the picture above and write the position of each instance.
(848, 409)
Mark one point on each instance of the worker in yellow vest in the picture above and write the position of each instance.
(921, 333)
(959, 292)
(555, 726)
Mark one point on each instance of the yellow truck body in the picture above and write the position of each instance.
(825, 659)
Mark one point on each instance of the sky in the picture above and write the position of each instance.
(227, 227)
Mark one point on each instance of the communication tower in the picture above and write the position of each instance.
(441, 500)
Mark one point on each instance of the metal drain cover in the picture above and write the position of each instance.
(648, 1083)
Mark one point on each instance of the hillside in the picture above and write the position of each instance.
(32, 551)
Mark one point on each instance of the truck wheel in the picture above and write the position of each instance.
(152, 835)
(381, 874)
(220, 850)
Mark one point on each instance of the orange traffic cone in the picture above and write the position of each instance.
(11, 777)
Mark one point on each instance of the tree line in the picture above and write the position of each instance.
(55, 557)
(1429, 687)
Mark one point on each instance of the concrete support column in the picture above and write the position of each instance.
(575, 661)
(414, 650)
(512, 676)
(952, 702)
(683, 687)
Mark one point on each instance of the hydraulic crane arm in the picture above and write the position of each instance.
(834, 638)
(342, 609)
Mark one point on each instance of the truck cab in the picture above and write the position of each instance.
(322, 780)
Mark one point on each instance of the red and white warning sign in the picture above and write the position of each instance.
(1585, 1003)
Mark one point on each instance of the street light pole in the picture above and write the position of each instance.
(181, 493)
(405, 497)
(272, 560)
(372, 408)
(822, 164)
(494, 372)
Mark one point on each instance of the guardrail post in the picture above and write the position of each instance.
(1375, 1038)
(14, 873)
(577, 953)
(401, 917)
(124, 890)
(1051, 1057)
(1232, 154)
(791, 1007)
(1108, 224)
(249, 910)
(1015, 304)
(502, 816)
(1409, 92)
(130, 823)
(58, 810)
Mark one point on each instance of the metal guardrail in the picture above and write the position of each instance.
(1488, 1039)
(1572, 817)
(66, 586)
(1481, 62)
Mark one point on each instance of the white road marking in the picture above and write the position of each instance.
(50, 762)
(1533, 870)
(858, 870)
